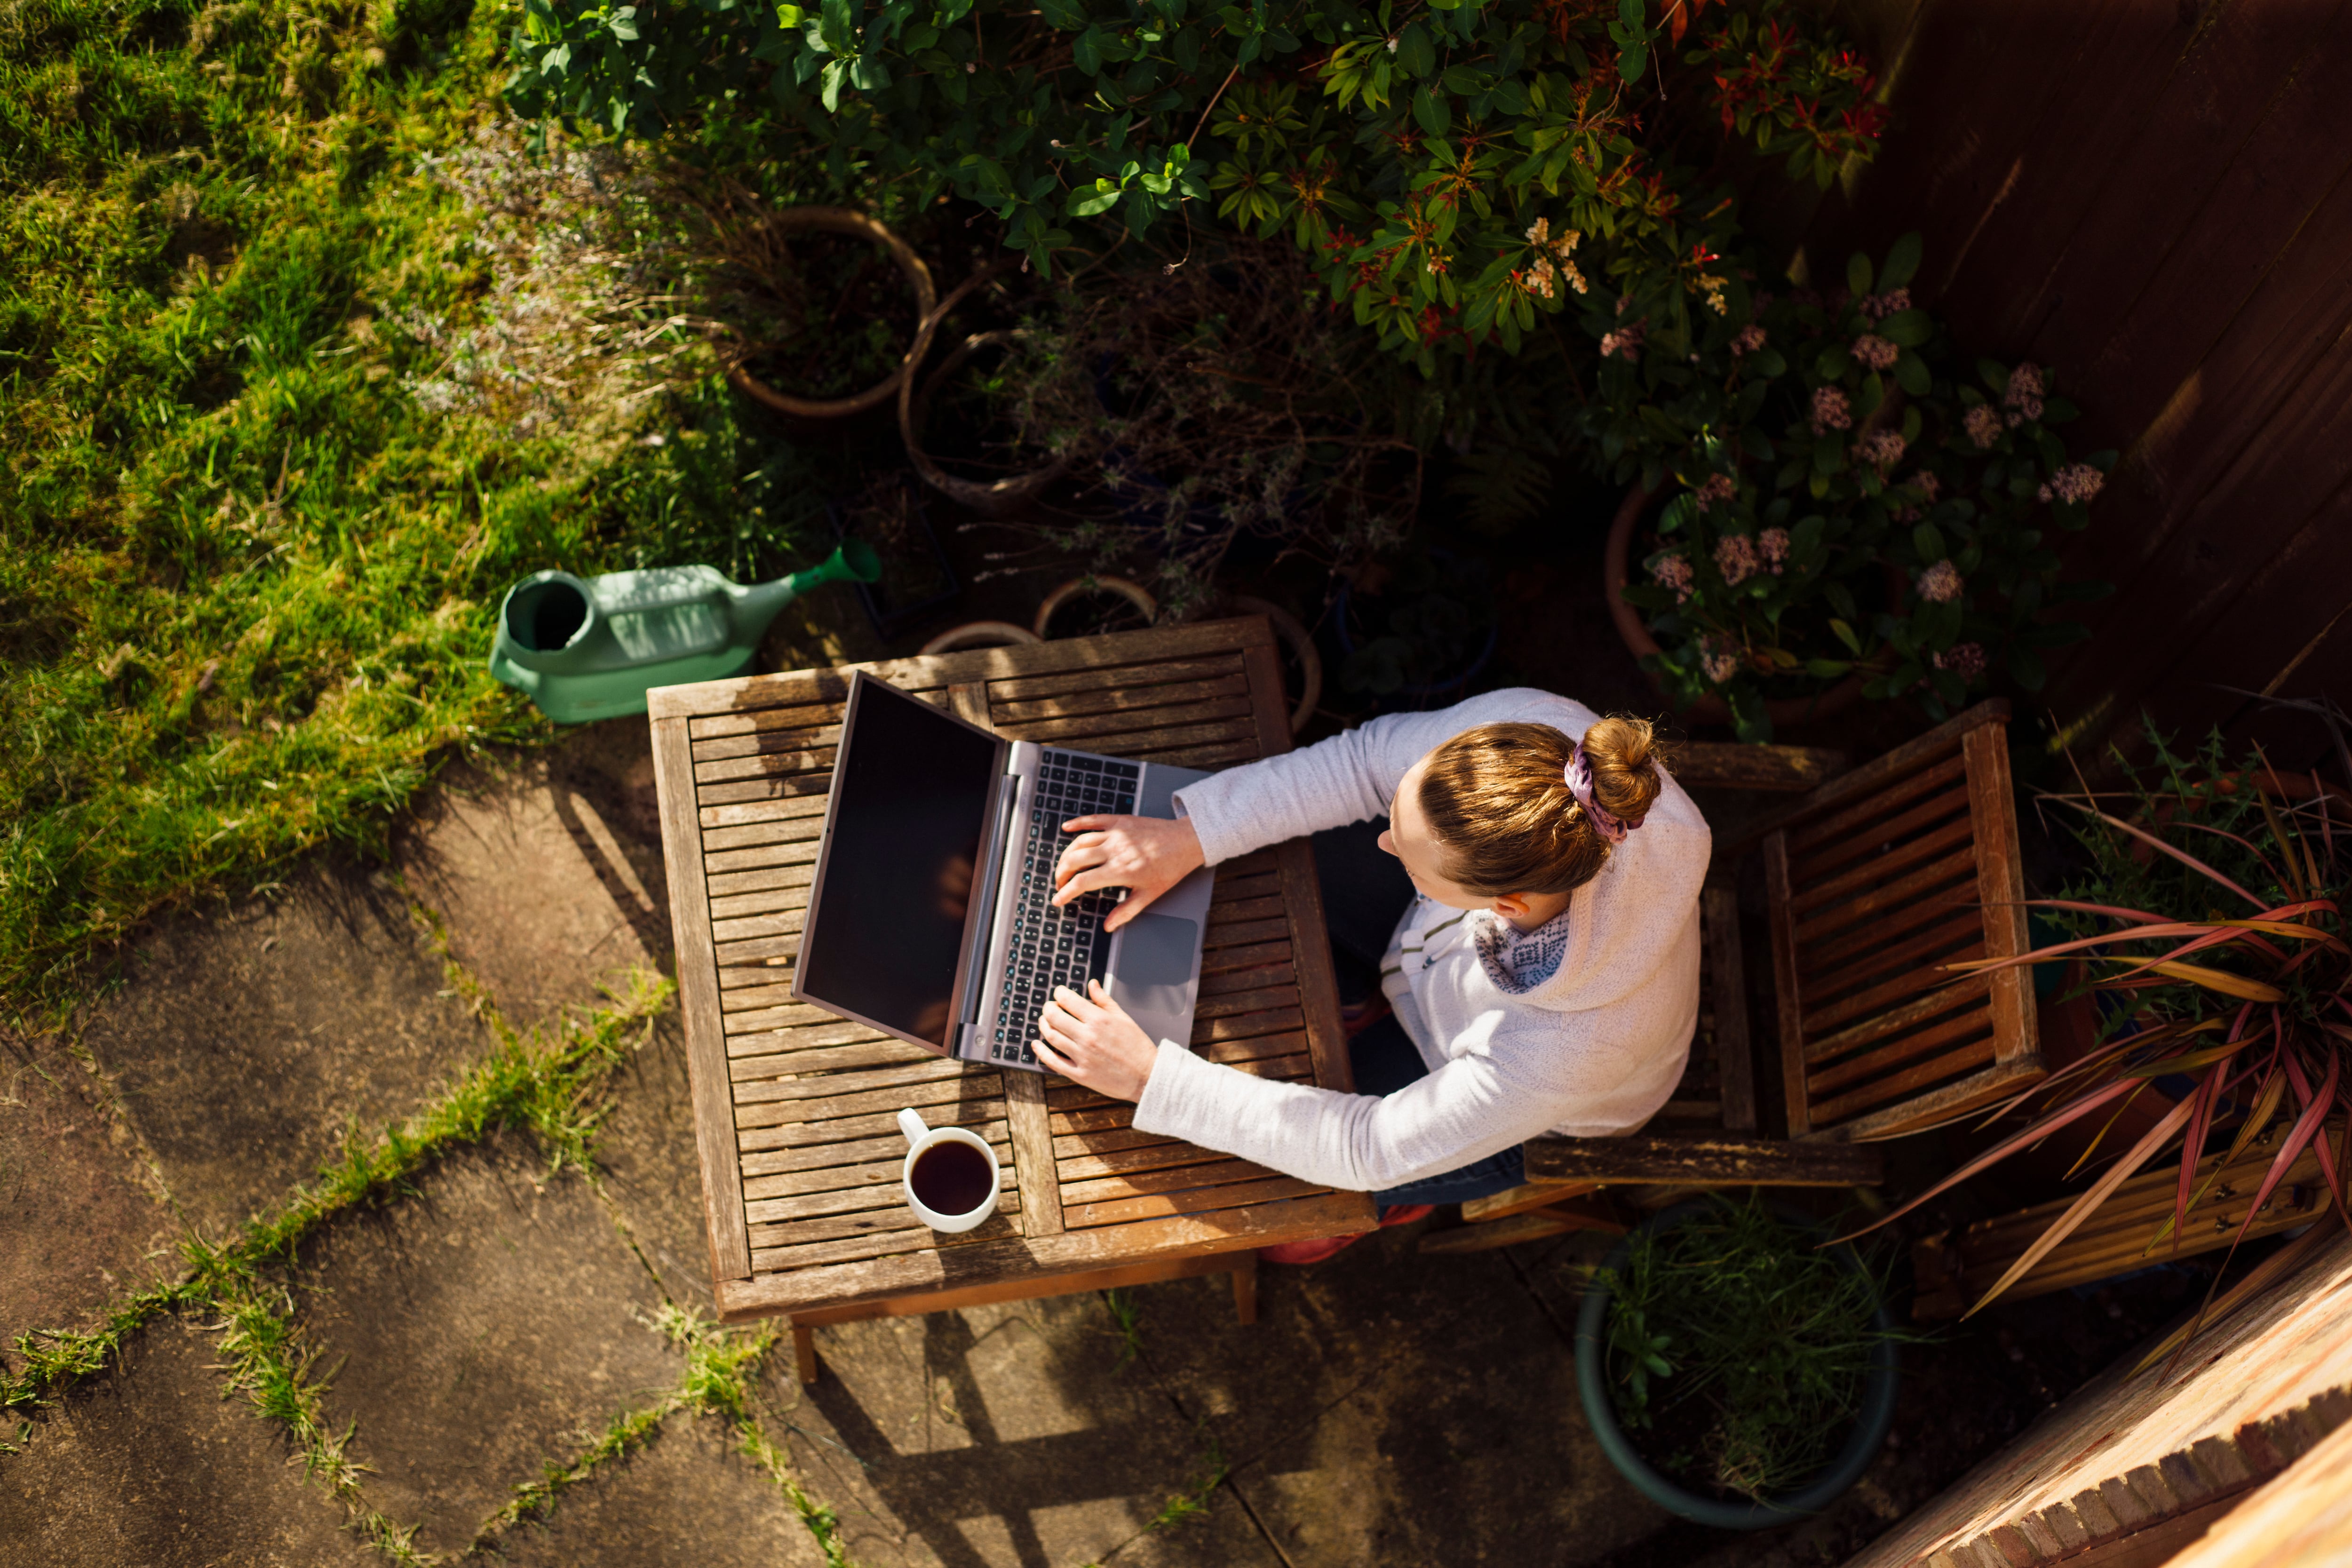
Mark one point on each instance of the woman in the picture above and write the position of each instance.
(1543, 974)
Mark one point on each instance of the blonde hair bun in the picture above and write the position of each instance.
(1497, 798)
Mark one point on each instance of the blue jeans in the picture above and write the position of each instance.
(1365, 892)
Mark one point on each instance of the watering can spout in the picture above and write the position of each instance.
(855, 562)
(758, 604)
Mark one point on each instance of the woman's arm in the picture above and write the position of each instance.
(1476, 1105)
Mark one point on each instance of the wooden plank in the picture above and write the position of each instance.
(805, 760)
(2001, 889)
(1869, 778)
(964, 1091)
(1975, 1024)
(1188, 1200)
(1890, 859)
(1033, 1153)
(822, 1059)
(1892, 926)
(842, 1035)
(761, 789)
(1209, 757)
(1819, 843)
(932, 671)
(1120, 736)
(1789, 999)
(765, 742)
(1926, 977)
(698, 992)
(1159, 672)
(1169, 1178)
(798, 716)
(1731, 764)
(1974, 1092)
(1926, 1075)
(1866, 838)
(1125, 1276)
(1244, 912)
(1703, 1161)
(1938, 876)
(778, 1172)
(1962, 993)
(1094, 698)
(734, 885)
(756, 1083)
(1244, 957)
(719, 820)
(1223, 935)
(1962, 930)
(999, 1260)
(794, 1145)
(1735, 1051)
(1511, 1201)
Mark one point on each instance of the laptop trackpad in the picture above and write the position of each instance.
(1154, 971)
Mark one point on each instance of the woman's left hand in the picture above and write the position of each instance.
(1090, 1039)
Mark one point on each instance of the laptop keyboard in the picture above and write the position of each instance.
(1066, 946)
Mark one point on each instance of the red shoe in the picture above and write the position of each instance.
(1316, 1249)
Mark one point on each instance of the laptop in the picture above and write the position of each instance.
(929, 917)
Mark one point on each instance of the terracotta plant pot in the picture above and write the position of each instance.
(1006, 496)
(856, 226)
(1134, 594)
(981, 634)
(1705, 710)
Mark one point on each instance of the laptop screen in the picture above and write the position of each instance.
(909, 790)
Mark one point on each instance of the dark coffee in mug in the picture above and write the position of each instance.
(952, 1178)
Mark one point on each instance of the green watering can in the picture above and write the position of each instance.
(592, 648)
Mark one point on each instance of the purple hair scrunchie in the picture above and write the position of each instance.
(1580, 784)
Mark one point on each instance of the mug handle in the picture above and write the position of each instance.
(913, 1126)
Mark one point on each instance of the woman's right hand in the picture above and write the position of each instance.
(1145, 855)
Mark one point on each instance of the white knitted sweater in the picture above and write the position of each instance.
(1594, 1051)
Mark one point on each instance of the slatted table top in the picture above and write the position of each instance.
(794, 1108)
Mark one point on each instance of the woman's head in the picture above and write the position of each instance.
(1490, 814)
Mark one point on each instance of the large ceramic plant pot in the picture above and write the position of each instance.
(852, 225)
(1873, 1418)
(1616, 562)
(1006, 496)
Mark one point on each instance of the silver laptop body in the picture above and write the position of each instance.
(928, 914)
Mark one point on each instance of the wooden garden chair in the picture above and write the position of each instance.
(1875, 880)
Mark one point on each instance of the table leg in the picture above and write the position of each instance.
(805, 1352)
(1245, 1291)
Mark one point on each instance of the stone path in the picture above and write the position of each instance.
(490, 1354)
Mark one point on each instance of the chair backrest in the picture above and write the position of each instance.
(1876, 881)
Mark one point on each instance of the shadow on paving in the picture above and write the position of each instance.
(687, 1498)
(79, 1221)
(243, 1042)
(492, 1321)
(1387, 1407)
(146, 1465)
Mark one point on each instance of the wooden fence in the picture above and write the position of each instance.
(2155, 198)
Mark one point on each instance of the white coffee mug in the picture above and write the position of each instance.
(920, 1136)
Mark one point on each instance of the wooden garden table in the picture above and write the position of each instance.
(794, 1107)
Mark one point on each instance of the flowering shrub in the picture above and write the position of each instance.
(1845, 499)
(1456, 170)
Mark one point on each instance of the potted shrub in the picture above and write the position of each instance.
(1736, 1372)
(1846, 509)
(2209, 922)
(918, 580)
(1416, 632)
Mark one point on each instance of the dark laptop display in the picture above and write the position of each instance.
(908, 810)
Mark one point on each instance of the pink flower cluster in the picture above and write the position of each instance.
(1983, 425)
(2076, 483)
(1830, 410)
(1882, 449)
(1929, 484)
(1718, 486)
(1672, 572)
(1965, 659)
(1876, 308)
(1875, 352)
(1750, 339)
(1734, 557)
(1625, 342)
(1941, 583)
(1719, 657)
(2023, 396)
(1773, 544)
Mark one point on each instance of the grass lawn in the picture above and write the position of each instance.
(282, 416)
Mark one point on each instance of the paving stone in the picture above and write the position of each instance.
(78, 1224)
(549, 874)
(244, 1041)
(686, 1498)
(493, 1321)
(1000, 1436)
(146, 1465)
(650, 1168)
(1394, 1407)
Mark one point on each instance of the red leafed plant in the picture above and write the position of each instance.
(2212, 921)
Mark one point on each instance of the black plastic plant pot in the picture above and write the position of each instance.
(1871, 1420)
(889, 604)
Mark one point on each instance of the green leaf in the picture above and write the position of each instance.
(2026, 668)
(622, 22)
(1905, 329)
(1433, 112)
(1415, 55)
(1857, 274)
(1845, 635)
(1911, 374)
(1929, 540)
(1901, 263)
